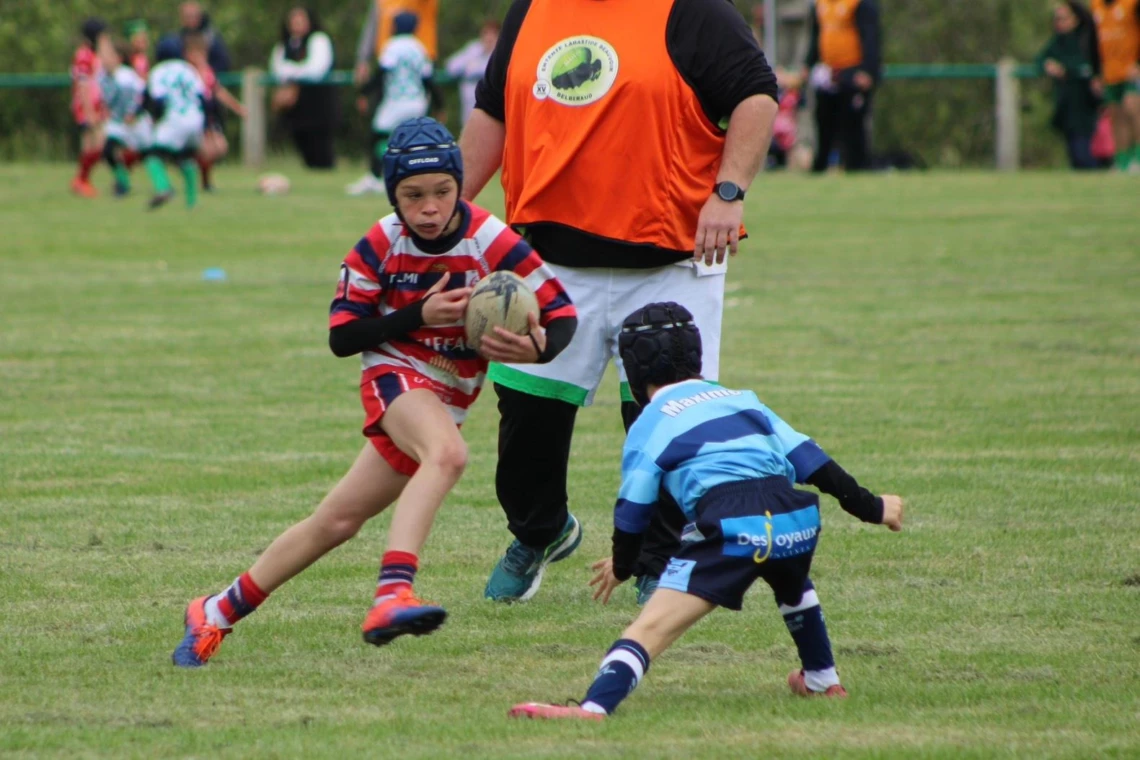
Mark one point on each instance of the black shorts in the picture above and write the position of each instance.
(747, 530)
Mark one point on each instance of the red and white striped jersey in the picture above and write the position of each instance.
(385, 271)
(85, 69)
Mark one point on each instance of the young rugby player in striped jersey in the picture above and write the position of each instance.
(400, 304)
(730, 463)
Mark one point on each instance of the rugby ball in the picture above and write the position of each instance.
(273, 184)
(501, 299)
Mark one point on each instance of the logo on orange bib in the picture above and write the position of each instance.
(577, 71)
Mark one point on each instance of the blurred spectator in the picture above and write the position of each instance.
(87, 102)
(844, 62)
(758, 24)
(1072, 60)
(138, 38)
(378, 28)
(404, 84)
(468, 64)
(214, 146)
(309, 109)
(194, 19)
(1118, 31)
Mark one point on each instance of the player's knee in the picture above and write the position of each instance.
(449, 456)
(339, 528)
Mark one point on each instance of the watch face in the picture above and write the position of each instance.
(727, 191)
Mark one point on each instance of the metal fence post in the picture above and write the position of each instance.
(1007, 97)
(254, 124)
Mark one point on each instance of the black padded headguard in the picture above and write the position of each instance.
(659, 345)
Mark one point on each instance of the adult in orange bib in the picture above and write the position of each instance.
(628, 133)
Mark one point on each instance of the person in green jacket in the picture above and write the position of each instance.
(1072, 61)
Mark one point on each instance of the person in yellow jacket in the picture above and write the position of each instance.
(628, 133)
(1118, 30)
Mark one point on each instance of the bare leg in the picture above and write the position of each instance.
(1131, 108)
(367, 488)
(1121, 134)
(666, 616)
(422, 427)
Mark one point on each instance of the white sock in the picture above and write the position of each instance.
(821, 680)
(594, 707)
(214, 616)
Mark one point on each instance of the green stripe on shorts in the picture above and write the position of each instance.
(543, 387)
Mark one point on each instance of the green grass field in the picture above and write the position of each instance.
(970, 341)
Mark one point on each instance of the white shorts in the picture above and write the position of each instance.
(604, 298)
(136, 136)
(392, 113)
(179, 132)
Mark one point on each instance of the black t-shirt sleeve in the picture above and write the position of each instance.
(713, 49)
(813, 33)
(867, 21)
(490, 92)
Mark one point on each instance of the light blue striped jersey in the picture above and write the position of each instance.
(695, 435)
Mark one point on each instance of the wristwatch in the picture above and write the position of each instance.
(729, 192)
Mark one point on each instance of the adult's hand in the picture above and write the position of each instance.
(863, 80)
(1054, 69)
(718, 230)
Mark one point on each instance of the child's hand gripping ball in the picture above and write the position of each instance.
(502, 319)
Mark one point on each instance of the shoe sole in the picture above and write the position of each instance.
(560, 552)
(523, 711)
(420, 626)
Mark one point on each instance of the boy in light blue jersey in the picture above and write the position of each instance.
(730, 463)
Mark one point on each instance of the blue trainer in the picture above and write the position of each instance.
(519, 573)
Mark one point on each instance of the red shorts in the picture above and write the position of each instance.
(376, 395)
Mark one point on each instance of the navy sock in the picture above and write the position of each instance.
(618, 675)
(805, 623)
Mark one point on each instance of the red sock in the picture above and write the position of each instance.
(87, 160)
(204, 167)
(397, 570)
(240, 599)
(130, 158)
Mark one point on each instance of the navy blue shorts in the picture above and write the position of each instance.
(747, 530)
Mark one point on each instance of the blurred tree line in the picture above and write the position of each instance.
(946, 122)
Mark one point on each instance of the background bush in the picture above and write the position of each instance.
(946, 122)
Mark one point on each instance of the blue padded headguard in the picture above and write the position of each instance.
(659, 345)
(168, 48)
(420, 146)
